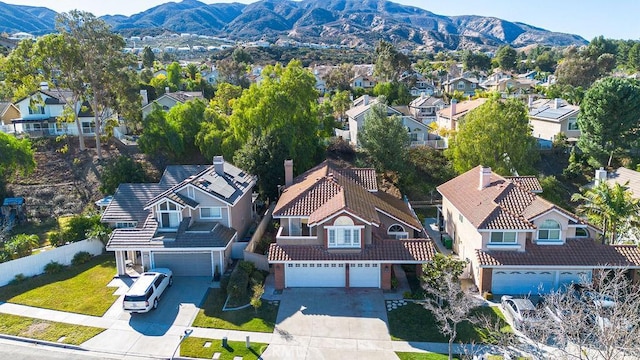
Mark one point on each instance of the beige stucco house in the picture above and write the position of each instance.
(518, 243)
(549, 117)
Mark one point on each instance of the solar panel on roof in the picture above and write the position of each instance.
(220, 186)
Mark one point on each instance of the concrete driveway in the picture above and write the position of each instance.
(331, 324)
(157, 332)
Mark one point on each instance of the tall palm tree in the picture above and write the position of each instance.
(612, 207)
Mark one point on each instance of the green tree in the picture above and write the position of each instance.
(160, 137)
(192, 71)
(612, 207)
(439, 267)
(174, 75)
(22, 245)
(506, 58)
(120, 170)
(546, 62)
(396, 93)
(148, 57)
(496, 134)
(17, 156)
(20, 75)
(384, 139)
(389, 62)
(476, 61)
(224, 97)
(339, 78)
(341, 102)
(232, 72)
(608, 118)
(633, 61)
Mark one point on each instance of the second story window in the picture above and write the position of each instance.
(503, 237)
(344, 234)
(572, 124)
(397, 231)
(461, 85)
(549, 230)
(210, 213)
(168, 215)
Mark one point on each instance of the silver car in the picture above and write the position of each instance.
(145, 293)
(519, 311)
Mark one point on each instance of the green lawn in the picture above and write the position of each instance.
(42, 229)
(212, 316)
(46, 330)
(413, 323)
(194, 347)
(423, 356)
(79, 289)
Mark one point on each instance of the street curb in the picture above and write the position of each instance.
(41, 342)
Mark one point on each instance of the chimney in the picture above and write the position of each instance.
(145, 97)
(452, 114)
(218, 165)
(167, 90)
(556, 103)
(530, 103)
(365, 100)
(423, 95)
(44, 85)
(485, 177)
(601, 175)
(288, 172)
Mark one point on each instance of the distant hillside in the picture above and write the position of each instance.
(31, 19)
(348, 22)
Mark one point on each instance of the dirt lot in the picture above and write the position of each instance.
(66, 180)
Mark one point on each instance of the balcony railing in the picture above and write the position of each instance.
(302, 239)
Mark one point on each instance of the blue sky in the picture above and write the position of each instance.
(588, 18)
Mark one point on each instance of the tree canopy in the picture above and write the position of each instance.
(506, 57)
(17, 156)
(609, 118)
(496, 134)
(389, 62)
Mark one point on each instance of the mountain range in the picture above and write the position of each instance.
(347, 22)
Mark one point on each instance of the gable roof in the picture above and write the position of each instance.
(530, 183)
(622, 176)
(228, 187)
(328, 189)
(425, 101)
(546, 109)
(5, 106)
(175, 174)
(128, 203)
(465, 79)
(184, 96)
(462, 108)
(502, 205)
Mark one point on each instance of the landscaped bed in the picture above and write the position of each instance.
(46, 330)
(195, 348)
(412, 322)
(423, 356)
(212, 316)
(78, 289)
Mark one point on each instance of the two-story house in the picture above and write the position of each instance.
(338, 230)
(467, 86)
(171, 99)
(8, 112)
(549, 117)
(186, 222)
(424, 108)
(40, 113)
(447, 118)
(518, 243)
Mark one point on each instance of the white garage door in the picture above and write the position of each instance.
(573, 276)
(522, 282)
(184, 264)
(364, 275)
(314, 275)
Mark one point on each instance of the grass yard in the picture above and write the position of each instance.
(194, 347)
(413, 323)
(46, 330)
(42, 229)
(212, 316)
(423, 356)
(78, 289)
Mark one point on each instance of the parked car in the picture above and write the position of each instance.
(145, 292)
(520, 311)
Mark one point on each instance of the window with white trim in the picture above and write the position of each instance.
(125, 224)
(572, 124)
(549, 230)
(168, 215)
(208, 213)
(461, 85)
(397, 231)
(503, 237)
(343, 233)
(191, 192)
(582, 233)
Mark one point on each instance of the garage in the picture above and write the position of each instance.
(364, 275)
(522, 282)
(314, 275)
(577, 277)
(184, 263)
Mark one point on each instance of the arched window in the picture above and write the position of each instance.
(549, 230)
(397, 231)
(582, 232)
(343, 221)
(168, 215)
(344, 233)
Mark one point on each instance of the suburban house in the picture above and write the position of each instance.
(467, 86)
(338, 230)
(418, 132)
(363, 81)
(424, 108)
(623, 176)
(448, 118)
(41, 109)
(518, 243)
(187, 222)
(169, 100)
(8, 112)
(549, 117)
(511, 86)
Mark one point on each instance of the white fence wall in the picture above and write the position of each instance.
(34, 264)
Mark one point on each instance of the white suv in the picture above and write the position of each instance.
(145, 292)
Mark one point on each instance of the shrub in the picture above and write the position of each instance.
(407, 295)
(256, 297)
(224, 281)
(247, 266)
(81, 257)
(238, 284)
(122, 169)
(257, 278)
(18, 279)
(487, 295)
(53, 267)
(55, 238)
(77, 227)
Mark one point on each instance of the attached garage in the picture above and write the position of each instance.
(314, 275)
(364, 275)
(522, 282)
(573, 276)
(184, 263)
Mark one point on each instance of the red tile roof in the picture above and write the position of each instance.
(575, 252)
(502, 205)
(329, 188)
(530, 183)
(410, 250)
